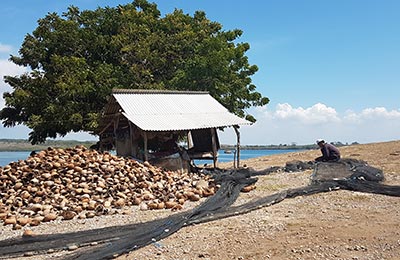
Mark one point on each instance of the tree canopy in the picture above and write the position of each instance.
(76, 59)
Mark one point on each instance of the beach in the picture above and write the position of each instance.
(333, 225)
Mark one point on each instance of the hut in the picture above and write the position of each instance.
(150, 124)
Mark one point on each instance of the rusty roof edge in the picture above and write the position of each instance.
(155, 91)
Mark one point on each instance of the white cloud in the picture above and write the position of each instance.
(286, 124)
(5, 48)
(317, 114)
(8, 68)
(80, 136)
(373, 113)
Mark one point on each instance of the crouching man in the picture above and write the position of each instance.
(330, 153)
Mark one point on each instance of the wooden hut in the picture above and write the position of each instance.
(147, 124)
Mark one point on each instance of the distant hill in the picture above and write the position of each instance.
(270, 147)
(24, 145)
(281, 146)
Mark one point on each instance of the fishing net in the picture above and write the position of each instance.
(106, 243)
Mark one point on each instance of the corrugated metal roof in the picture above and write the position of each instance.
(154, 110)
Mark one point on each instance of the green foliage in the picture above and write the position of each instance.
(76, 59)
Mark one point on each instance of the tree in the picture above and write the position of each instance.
(78, 58)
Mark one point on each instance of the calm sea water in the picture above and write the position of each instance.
(7, 157)
(247, 154)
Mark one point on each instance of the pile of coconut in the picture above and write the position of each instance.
(82, 183)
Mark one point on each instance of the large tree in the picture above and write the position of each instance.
(76, 59)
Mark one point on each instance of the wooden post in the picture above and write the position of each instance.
(146, 152)
(132, 153)
(116, 123)
(236, 127)
(234, 158)
(214, 146)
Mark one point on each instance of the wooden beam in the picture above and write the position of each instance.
(146, 152)
(236, 127)
(116, 123)
(115, 115)
(131, 138)
(214, 146)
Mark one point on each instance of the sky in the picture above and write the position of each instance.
(331, 68)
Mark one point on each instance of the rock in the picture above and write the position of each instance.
(160, 205)
(143, 206)
(3, 215)
(248, 188)
(24, 221)
(170, 204)
(10, 221)
(50, 217)
(68, 214)
(36, 221)
(202, 184)
(17, 227)
(119, 203)
(72, 247)
(194, 197)
(28, 233)
(152, 205)
(90, 214)
(126, 212)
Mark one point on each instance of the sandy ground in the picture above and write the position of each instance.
(333, 225)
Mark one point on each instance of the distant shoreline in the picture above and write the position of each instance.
(269, 147)
(19, 145)
(22, 145)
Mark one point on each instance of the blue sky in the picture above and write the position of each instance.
(330, 68)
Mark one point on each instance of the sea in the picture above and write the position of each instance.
(7, 157)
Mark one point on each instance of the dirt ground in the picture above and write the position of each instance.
(334, 225)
